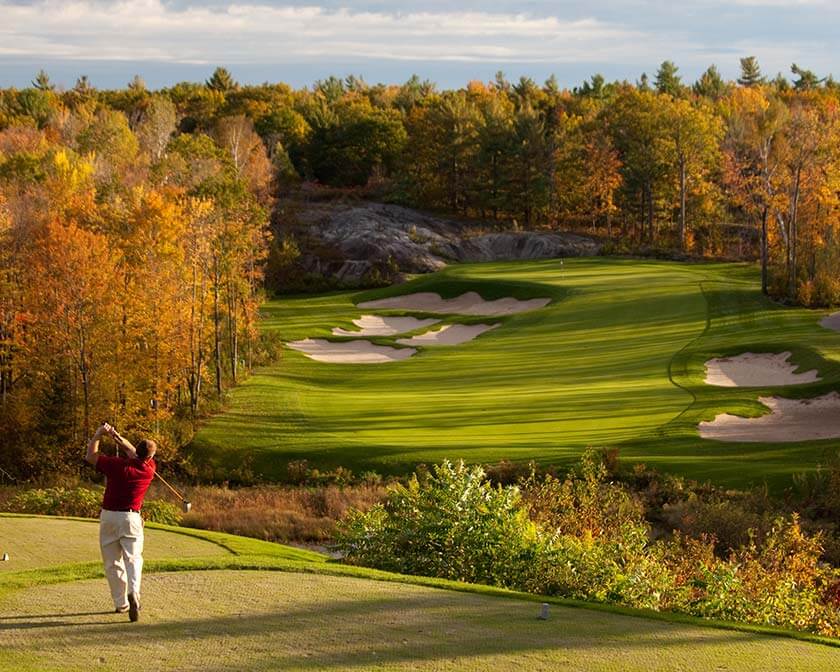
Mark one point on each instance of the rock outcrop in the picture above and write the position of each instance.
(351, 243)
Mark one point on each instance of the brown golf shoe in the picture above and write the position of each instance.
(133, 608)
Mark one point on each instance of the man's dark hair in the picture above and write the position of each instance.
(146, 449)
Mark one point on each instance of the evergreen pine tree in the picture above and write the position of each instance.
(667, 79)
(42, 81)
(807, 79)
(222, 81)
(710, 84)
(750, 72)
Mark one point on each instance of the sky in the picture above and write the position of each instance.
(451, 43)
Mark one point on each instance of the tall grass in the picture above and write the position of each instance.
(279, 513)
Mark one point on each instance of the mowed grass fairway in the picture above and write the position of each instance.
(262, 606)
(617, 359)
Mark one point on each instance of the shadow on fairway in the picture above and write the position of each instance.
(58, 615)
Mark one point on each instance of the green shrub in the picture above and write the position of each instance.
(586, 537)
(778, 582)
(159, 511)
(452, 524)
(83, 503)
(586, 504)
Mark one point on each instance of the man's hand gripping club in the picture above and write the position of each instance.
(105, 429)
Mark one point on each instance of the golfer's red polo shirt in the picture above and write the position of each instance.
(126, 483)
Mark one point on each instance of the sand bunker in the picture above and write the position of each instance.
(375, 325)
(350, 352)
(832, 322)
(449, 334)
(756, 370)
(466, 304)
(791, 420)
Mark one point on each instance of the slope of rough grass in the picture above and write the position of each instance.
(42, 542)
(33, 542)
(235, 620)
(615, 360)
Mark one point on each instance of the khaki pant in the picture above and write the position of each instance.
(121, 541)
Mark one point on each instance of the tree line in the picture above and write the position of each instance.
(134, 223)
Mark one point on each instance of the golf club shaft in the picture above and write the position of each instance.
(163, 480)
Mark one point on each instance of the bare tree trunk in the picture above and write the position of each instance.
(682, 201)
(5, 366)
(191, 379)
(73, 411)
(121, 385)
(233, 335)
(217, 337)
(649, 199)
(84, 370)
(495, 188)
(764, 250)
(200, 363)
(794, 211)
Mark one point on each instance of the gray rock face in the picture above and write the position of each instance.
(347, 243)
(526, 245)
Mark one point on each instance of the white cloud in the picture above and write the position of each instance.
(782, 3)
(150, 30)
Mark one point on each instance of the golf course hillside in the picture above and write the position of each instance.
(604, 352)
(219, 602)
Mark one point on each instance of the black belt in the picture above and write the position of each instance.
(123, 510)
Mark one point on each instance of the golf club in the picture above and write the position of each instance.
(186, 505)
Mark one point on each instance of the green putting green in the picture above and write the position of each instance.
(616, 359)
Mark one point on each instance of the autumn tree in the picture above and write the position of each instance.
(754, 128)
(803, 174)
(691, 140)
(236, 135)
(603, 177)
(156, 125)
(111, 143)
(74, 327)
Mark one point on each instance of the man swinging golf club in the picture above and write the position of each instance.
(120, 525)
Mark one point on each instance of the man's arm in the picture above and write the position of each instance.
(93, 446)
(122, 443)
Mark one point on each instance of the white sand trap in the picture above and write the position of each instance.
(791, 420)
(449, 334)
(376, 325)
(832, 322)
(466, 304)
(756, 370)
(349, 352)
